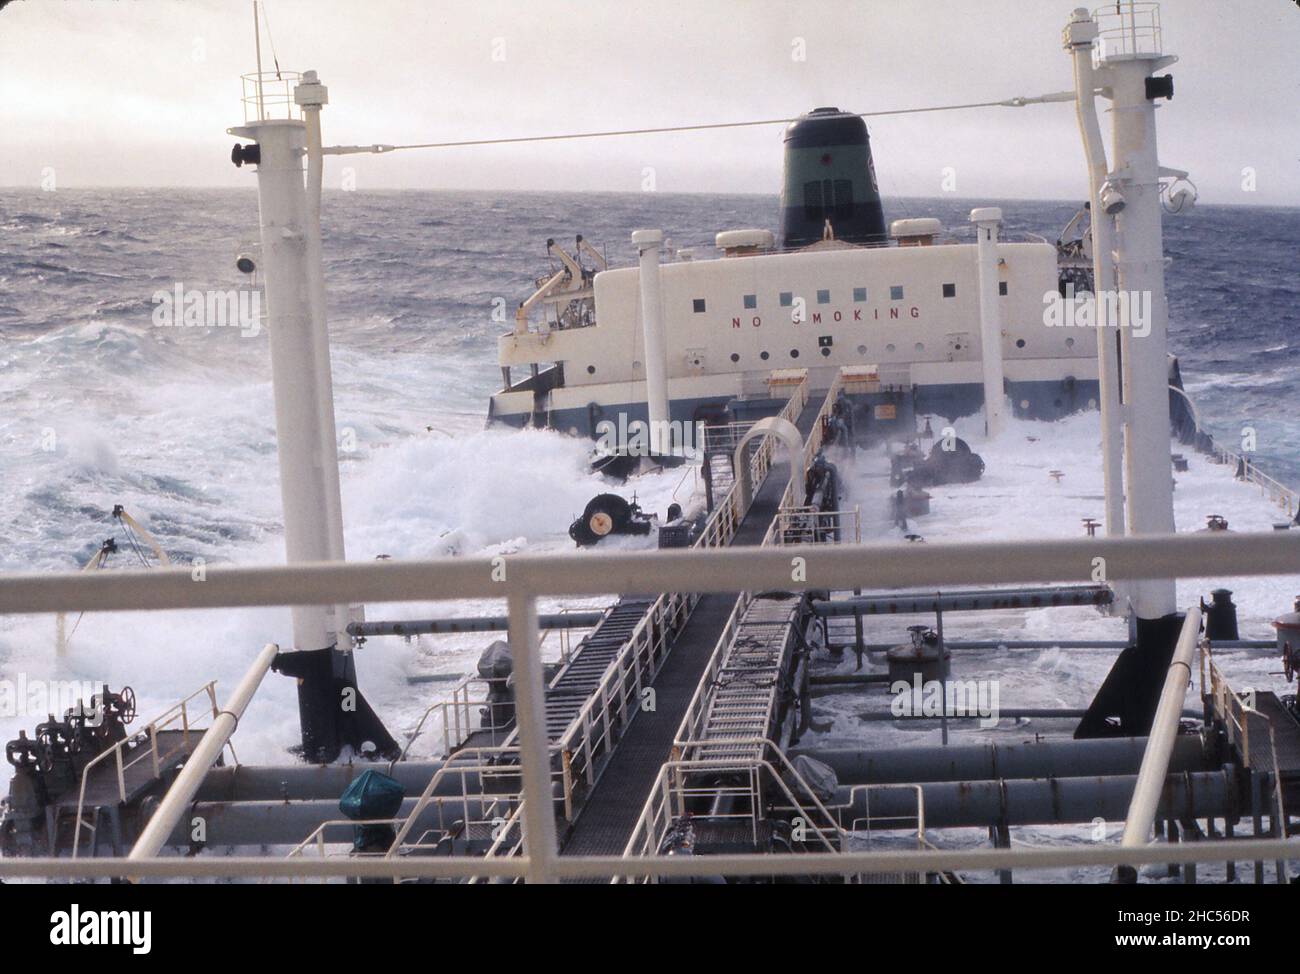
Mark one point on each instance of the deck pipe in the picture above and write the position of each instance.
(1044, 759)
(974, 600)
(320, 782)
(288, 823)
(1008, 713)
(450, 624)
(1039, 801)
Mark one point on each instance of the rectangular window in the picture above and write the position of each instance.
(1002, 287)
(699, 306)
(896, 292)
(859, 295)
(823, 296)
(950, 290)
(787, 298)
(751, 301)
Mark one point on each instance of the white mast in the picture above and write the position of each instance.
(1128, 55)
(649, 243)
(986, 220)
(1079, 36)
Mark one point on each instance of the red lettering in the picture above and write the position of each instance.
(757, 321)
(817, 317)
(838, 316)
(916, 312)
(893, 312)
(857, 314)
(735, 322)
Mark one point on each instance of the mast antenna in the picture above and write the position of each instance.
(257, 44)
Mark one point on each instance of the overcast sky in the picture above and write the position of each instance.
(140, 92)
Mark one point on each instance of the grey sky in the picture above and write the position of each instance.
(140, 92)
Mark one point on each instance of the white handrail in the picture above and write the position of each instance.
(183, 789)
(1160, 743)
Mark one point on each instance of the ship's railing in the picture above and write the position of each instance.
(469, 711)
(1227, 707)
(749, 787)
(528, 577)
(472, 802)
(178, 717)
(808, 525)
(891, 824)
(508, 843)
(1127, 29)
(1234, 712)
(1276, 491)
(268, 95)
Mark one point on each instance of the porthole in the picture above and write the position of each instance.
(591, 370)
(920, 346)
(794, 353)
(1020, 343)
(735, 357)
(1069, 343)
(764, 356)
(889, 347)
(826, 352)
(862, 349)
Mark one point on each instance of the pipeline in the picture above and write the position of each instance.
(972, 600)
(1039, 801)
(1047, 759)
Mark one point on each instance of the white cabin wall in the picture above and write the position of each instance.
(923, 328)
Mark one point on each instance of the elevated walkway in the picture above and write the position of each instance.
(611, 812)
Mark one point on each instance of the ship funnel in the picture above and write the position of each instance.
(829, 176)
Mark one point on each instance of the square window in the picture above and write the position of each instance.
(859, 294)
(896, 292)
(950, 290)
(1002, 287)
(699, 306)
(751, 301)
(823, 297)
(825, 341)
(787, 298)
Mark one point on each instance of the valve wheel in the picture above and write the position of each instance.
(128, 704)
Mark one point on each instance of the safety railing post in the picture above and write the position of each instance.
(534, 752)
